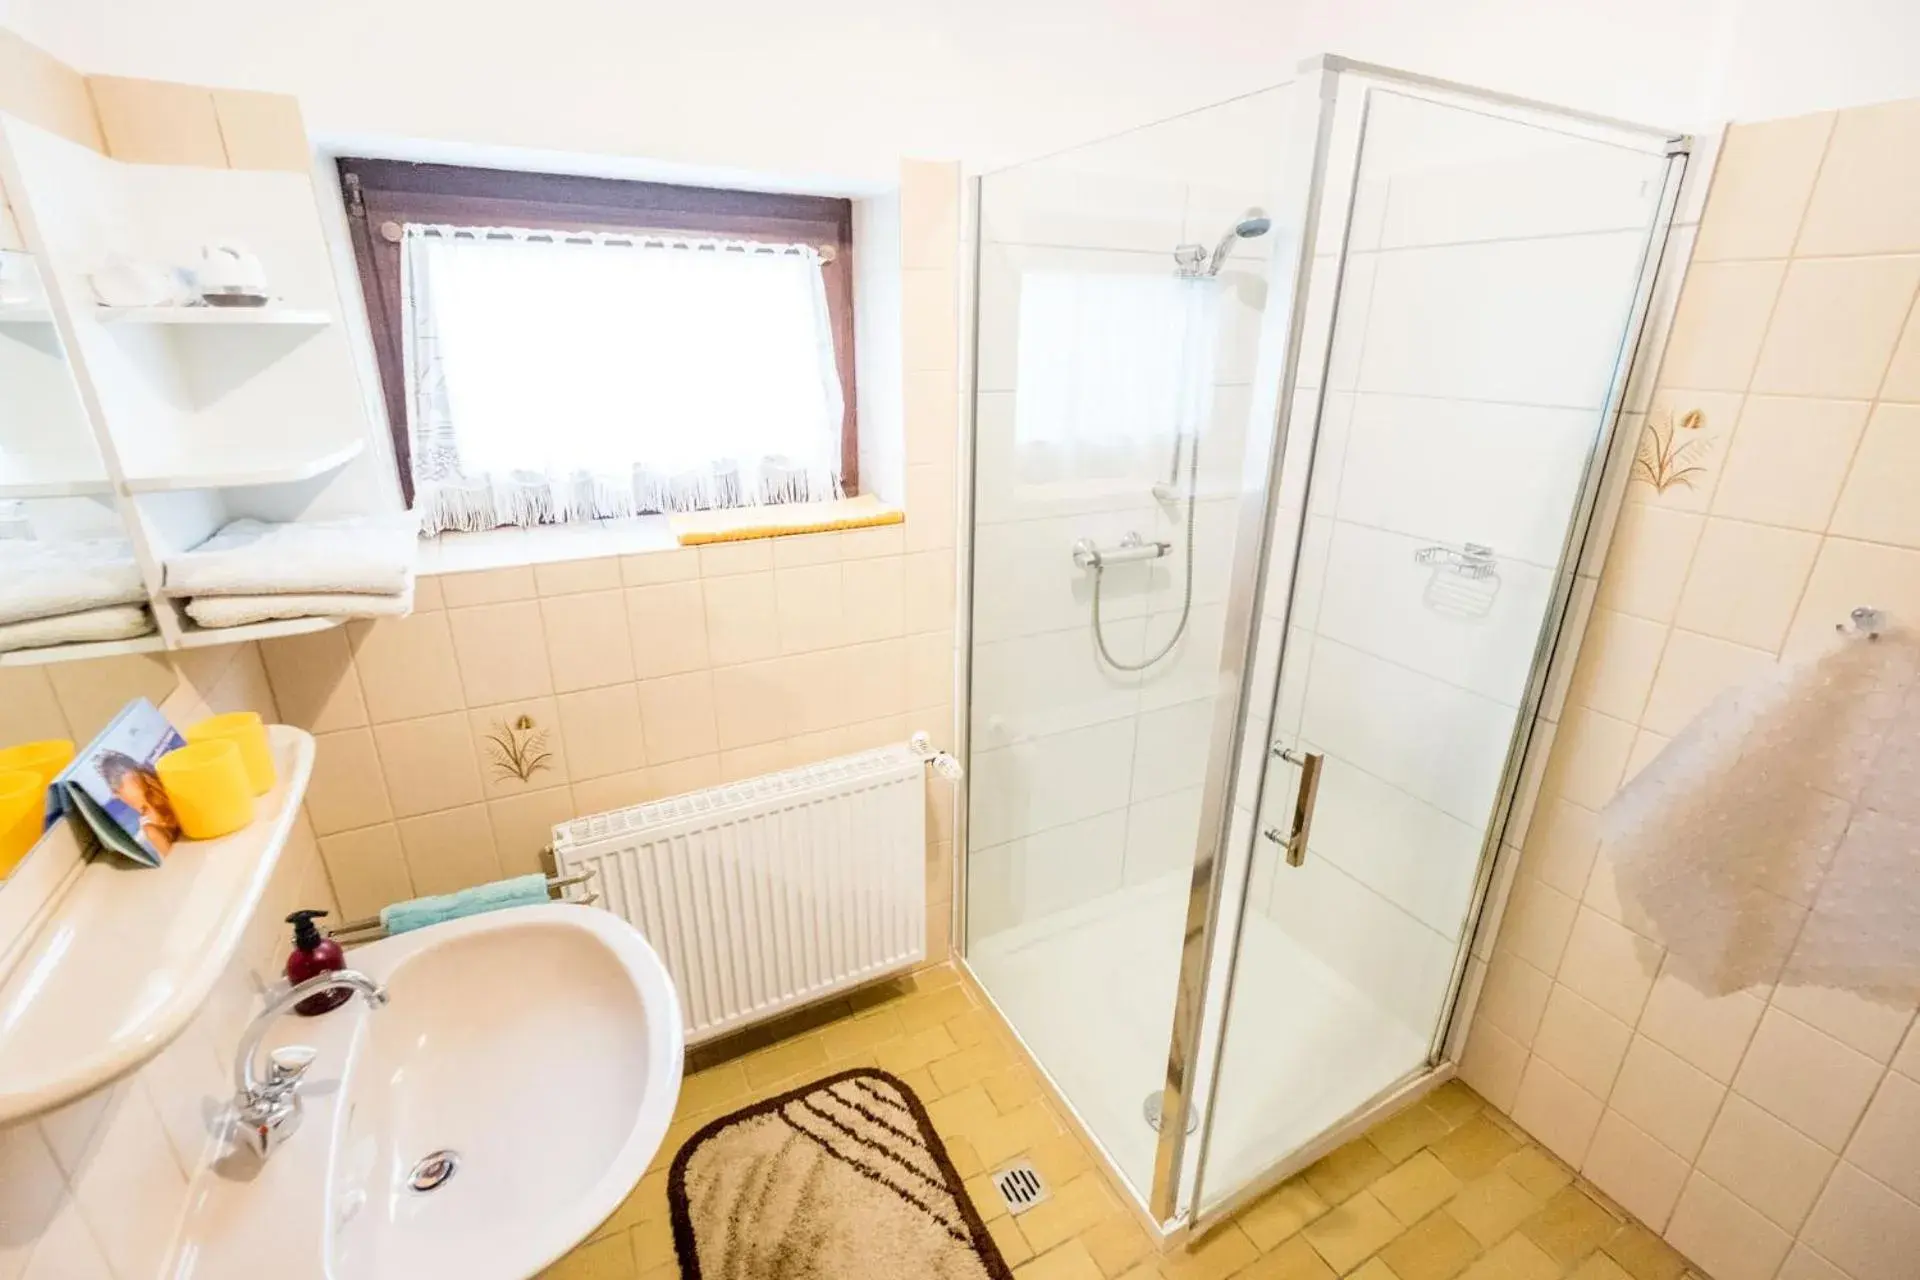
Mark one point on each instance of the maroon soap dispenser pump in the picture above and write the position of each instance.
(313, 955)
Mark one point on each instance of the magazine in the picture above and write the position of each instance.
(112, 788)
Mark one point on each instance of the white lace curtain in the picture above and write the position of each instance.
(561, 376)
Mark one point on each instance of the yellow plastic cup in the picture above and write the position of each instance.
(23, 812)
(206, 783)
(46, 757)
(245, 730)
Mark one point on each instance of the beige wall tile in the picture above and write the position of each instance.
(1879, 503)
(1804, 1264)
(314, 681)
(429, 763)
(1538, 921)
(750, 762)
(1589, 759)
(1558, 1112)
(502, 652)
(1848, 574)
(92, 693)
(1561, 844)
(933, 418)
(1766, 1162)
(615, 791)
(1647, 564)
(723, 559)
(1872, 1232)
(1693, 670)
(1888, 1138)
(1729, 1238)
(42, 90)
(488, 586)
(1710, 1032)
(930, 667)
(450, 850)
(32, 710)
(1745, 582)
(873, 681)
(1493, 1063)
(929, 319)
(158, 122)
(929, 213)
(262, 130)
(1835, 327)
(1762, 182)
(428, 595)
(1807, 1078)
(677, 717)
(569, 577)
(667, 626)
(505, 750)
(756, 703)
(680, 776)
(875, 598)
(1609, 965)
(1665, 1098)
(1903, 375)
(812, 607)
(1720, 324)
(1514, 997)
(930, 591)
(879, 540)
(802, 549)
(367, 869)
(1618, 658)
(587, 641)
(1642, 1175)
(930, 507)
(1788, 460)
(1868, 196)
(1869, 1025)
(742, 618)
(406, 666)
(1582, 1042)
(347, 789)
(523, 826)
(600, 729)
(655, 567)
(1706, 445)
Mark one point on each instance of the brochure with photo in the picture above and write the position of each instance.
(112, 787)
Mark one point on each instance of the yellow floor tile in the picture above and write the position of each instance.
(1061, 1158)
(1011, 1086)
(651, 1243)
(713, 1089)
(935, 1009)
(967, 1066)
(1007, 1237)
(1599, 1267)
(985, 1197)
(608, 1259)
(1069, 1262)
(1643, 1255)
(1223, 1253)
(915, 1049)
(966, 1161)
(1492, 1207)
(1281, 1213)
(861, 1035)
(1416, 1188)
(782, 1060)
(1070, 1210)
(1434, 1248)
(1343, 1171)
(958, 1114)
(1455, 1103)
(1294, 1260)
(1570, 1227)
(1515, 1258)
(1375, 1270)
(1353, 1231)
(1017, 1131)
(1410, 1131)
(1476, 1147)
(1117, 1245)
(1538, 1173)
(976, 1026)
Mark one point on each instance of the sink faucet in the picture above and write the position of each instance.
(267, 1111)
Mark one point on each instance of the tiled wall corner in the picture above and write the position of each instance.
(158, 122)
(42, 90)
(1768, 1133)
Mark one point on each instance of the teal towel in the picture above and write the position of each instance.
(418, 913)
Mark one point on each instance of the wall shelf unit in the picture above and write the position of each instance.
(81, 652)
(185, 417)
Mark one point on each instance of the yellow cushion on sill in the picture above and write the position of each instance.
(739, 524)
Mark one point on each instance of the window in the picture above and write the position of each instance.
(557, 348)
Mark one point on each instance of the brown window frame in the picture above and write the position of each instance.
(382, 192)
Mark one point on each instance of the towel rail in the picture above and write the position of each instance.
(374, 930)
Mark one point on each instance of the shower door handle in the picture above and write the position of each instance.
(1295, 840)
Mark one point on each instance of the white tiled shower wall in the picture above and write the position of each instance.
(1087, 779)
(1771, 1134)
(1491, 273)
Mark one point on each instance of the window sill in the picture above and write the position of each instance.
(554, 543)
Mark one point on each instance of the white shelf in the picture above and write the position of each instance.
(128, 955)
(311, 317)
(52, 478)
(231, 469)
(26, 315)
(80, 652)
(198, 637)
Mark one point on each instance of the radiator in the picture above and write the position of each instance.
(771, 893)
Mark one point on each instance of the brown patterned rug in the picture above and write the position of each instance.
(841, 1179)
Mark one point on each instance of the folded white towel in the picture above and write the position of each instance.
(238, 611)
(363, 555)
(42, 579)
(116, 622)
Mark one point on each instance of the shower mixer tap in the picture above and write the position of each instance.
(1132, 549)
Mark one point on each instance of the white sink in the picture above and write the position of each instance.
(541, 1046)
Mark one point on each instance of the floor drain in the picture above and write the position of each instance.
(433, 1171)
(1021, 1186)
(1153, 1110)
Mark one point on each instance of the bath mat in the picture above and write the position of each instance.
(741, 524)
(841, 1179)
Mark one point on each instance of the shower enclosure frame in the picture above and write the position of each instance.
(1170, 1212)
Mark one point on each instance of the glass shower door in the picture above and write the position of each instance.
(1476, 282)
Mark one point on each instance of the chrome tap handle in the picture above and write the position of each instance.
(287, 1066)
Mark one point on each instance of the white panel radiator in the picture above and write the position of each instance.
(768, 894)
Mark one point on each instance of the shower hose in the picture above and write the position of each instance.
(1186, 602)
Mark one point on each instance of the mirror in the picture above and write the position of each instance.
(68, 583)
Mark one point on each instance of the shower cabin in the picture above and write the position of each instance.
(1290, 417)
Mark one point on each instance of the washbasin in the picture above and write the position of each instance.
(514, 1088)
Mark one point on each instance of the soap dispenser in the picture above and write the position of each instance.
(313, 955)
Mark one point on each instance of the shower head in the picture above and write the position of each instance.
(1255, 224)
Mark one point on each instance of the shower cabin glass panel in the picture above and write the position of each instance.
(1121, 293)
(1475, 281)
